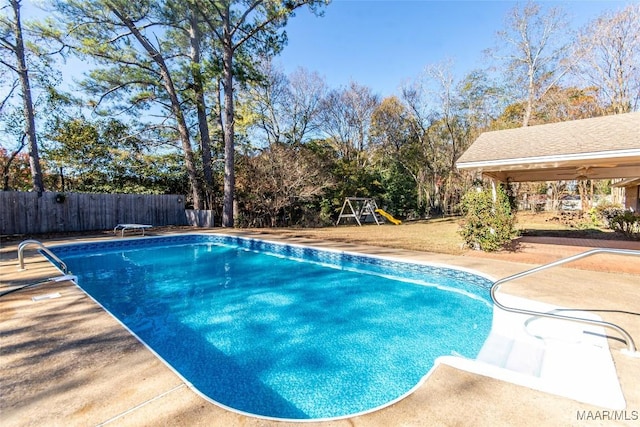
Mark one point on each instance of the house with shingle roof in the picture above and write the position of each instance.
(605, 147)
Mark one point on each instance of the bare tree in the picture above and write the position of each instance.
(423, 159)
(439, 134)
(534, 52)
(286, 109)
(346, 118)
(266, 101)
(280, 179)
(307, 91)
(608, 57)
(12, 41)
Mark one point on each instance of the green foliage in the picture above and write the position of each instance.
(16, 174)
(325, 216)
(591, 219)
(487, 225)
(100, 157)
(606, 212)
(353, 181)
(400, 193)
(627, 223)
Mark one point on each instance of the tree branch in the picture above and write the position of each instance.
(8, 96)
(8, 65)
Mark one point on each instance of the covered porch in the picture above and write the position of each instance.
(605, 147)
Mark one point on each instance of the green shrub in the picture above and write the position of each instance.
(627, 223)
(487, 225)
(608, 211)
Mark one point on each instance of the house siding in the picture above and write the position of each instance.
(632, 198)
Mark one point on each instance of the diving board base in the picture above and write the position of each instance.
(123, 227)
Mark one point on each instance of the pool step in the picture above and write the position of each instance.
(555, 356)
(523, 356)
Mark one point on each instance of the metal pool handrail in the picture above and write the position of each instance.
(44, 249)
(631, 346)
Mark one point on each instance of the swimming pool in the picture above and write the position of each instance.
(284, 331)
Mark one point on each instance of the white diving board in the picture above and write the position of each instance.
(124, 227)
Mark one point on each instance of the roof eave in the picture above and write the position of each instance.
(613, 154)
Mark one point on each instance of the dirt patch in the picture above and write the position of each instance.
(543, 250)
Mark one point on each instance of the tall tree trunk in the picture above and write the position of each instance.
(249, 18)
(526, 117)
(229, 125)
(201, 107)
(167, 82)
(29, 118)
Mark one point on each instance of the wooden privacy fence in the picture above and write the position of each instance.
(25, 213)
(200, 218)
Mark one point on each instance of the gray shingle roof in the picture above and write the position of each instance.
(595, 135)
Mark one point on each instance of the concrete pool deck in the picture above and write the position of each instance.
(65, 361)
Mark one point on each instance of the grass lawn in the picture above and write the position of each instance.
(441, 234)
(433, 235)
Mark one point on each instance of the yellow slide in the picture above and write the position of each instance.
(388, 217)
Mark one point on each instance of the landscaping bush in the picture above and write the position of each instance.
(627, 223)
(608, 211)
(487, 225)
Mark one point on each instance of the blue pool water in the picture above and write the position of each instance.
(284, 331)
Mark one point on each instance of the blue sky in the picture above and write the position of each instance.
(383, 43)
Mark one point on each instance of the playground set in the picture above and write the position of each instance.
(364, 209)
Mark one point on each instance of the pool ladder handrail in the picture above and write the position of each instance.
(42, 248)
(631, 346)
